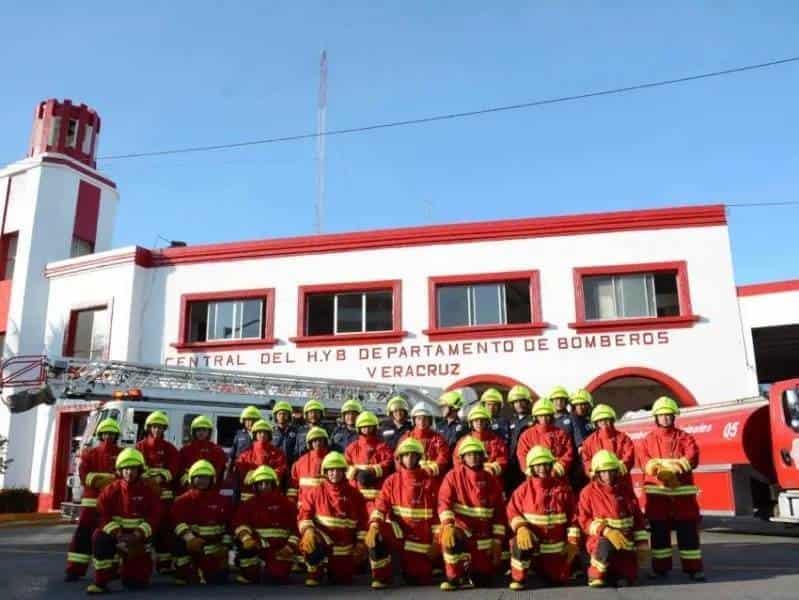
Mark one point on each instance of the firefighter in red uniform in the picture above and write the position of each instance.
(201, 448)
(129, 511)
(542, 513)
(545, 433)
(610, 517)
(472, 514)
(436, 459)
(96, 470)
(265, 527)
(332, 523)
(262, 452)
(370, 459)
(404, 522)
(668, 457)
(202, 518)
(607, 437)
(306, 472)
(163, 469)
(496, 461)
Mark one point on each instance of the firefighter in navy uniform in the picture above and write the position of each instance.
(346, 433)
(521, 400)
(312, 413)
(559, 396)
(581, 427)
(452, 428)
(284, 435)
(242, 441)
(491, 399)
(398, 423)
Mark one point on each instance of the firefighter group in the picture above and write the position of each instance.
(547, 492)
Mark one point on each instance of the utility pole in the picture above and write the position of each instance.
(321, 130)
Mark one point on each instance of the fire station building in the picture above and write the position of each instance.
(630, 305)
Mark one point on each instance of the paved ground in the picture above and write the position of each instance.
(739, 565)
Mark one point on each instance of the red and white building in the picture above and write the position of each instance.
(630, 304)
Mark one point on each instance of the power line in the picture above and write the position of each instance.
(754, 204)
(458, 115)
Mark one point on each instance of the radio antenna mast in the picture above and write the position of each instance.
(321, 130)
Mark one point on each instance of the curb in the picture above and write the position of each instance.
(29, 519)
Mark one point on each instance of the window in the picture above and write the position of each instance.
(87, 335)
(87, 139)
(627, 297)
(226, 428)
(226, 319)
(484, 305)
(55, 129)
(72, 133)
(80, 248)
(9, 249)
(349, 313)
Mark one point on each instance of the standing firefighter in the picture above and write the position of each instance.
(545, 433)
(437, 454)
(668, 457)
(582, 403)
(243, 439)
(262, 452)
(472, 515)
(398, 423)
(543, 518)
(265, 527)
(284, 435)
(404, 522)
(96, 470)
(610, 517)
(163, 470)
(347, 432)
(202, 518)
(607, 437)
(370, 458)
(496, 461)
(520, 398)
(129, 511)
(332, 524)
(559, 396)
(491, 399)
(201, 448)
(452, 428)
(306, 472)
(312, 413)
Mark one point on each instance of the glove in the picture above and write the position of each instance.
(572, 550)
(308, 541)
(101, 480)
(286, 553)
(195, 545)
(430, 467)
(668, 477)
(359, 553)
(371, 535)
(351, 473)
(448, 536)
(616, 538)
(366, 477)
(525, 538)
(643, 555)
(248, 542)
(496, 552)
(558, 470)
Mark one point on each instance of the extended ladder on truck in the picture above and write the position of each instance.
(41, 380)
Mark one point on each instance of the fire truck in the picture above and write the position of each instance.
(749, 454)
(128, 392)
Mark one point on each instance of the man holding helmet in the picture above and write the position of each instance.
(543, 518)
(398, 423)
(370, 458)
(306, 472)
(129, 511)
(262, 452)
(201, 448)
(545, 433)
(404, 521)
(437, 454)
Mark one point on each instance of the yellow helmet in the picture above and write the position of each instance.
(313, 404)
(602, 411)
(251, 412)
(491, 395)
(409, 446)
(316, 433)
(558, 392)
(665, 406)
(478, 412)
(351, 405)
(263, 473)
(397, 403)
(519, 392)
(452, 398)
(366, 419)
(543, 407)
(157, 417)
(282, 405)
(604, 460)
(582, 397)
(201, 422)
(471, 444)
(202, 468)
(108, 426)
(334, 460)
(539, 455)
(129, 457)
(261, 425)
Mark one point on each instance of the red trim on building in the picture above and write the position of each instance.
(69, 338)
(683, 395)
(66, 162)
(490, 378)
(634, 220)
(87, 213)
(351, 339)
(535, 327)
(770, 287)
(266, 341)
(686, 318)
(139, 257)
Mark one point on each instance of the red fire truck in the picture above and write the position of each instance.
(749, 454)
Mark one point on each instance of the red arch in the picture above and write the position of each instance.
(508, 382)
(684, 396)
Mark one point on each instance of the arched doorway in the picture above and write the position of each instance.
(480, 383)
(636, 388)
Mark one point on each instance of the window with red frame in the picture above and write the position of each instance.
(631, 296)
(491, 303)
(87, 336)
(348, 312)
(229, 319)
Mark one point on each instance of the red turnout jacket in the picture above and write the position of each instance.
(260, 453)
(602, 505)
(306, 473)
(375, 454)
(496, 449)
(669, 446)
(206, 514)
(610, 439)
(549, 509)
(408, 499)
(269, 517)
(94, 461)
(473, 501)
(202, 450)
(558, 441)
(163, 459)
(436, 449)
(337, 512)
(128, 507)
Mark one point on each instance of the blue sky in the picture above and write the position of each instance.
(195, 73)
